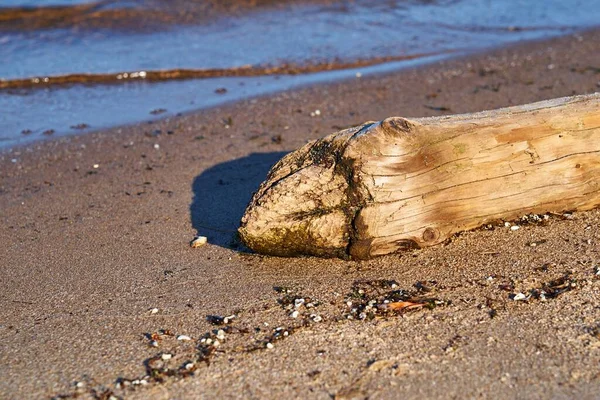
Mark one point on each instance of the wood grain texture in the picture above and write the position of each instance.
(405, 183)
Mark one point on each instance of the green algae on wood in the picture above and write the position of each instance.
(403, 183)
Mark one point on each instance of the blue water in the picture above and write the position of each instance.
(344, 30)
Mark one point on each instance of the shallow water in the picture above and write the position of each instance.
(42, 40)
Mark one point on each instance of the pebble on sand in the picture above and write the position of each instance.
(199, 241)
(519, 297)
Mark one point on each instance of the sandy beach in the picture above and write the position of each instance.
(100, 287)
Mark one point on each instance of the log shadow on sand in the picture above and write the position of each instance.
(222, 192)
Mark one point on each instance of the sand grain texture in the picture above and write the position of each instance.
(88, 252)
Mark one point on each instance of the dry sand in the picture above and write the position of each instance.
(87, 251)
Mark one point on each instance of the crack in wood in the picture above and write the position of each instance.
(405, 183)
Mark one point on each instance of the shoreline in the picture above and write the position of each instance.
(97, 226)
(409, 63)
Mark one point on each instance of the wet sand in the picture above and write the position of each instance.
(95, 234)
(118, 78)
(140, 16)
(78, 66)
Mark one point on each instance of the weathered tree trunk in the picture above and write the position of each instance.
(399, 183)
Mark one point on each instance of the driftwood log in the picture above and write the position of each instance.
(406, 183)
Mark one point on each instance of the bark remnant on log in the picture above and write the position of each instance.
(404, 183)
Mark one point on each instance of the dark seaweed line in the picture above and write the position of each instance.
(184, 73)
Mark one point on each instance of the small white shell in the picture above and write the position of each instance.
(519, 296)
(199, 241)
